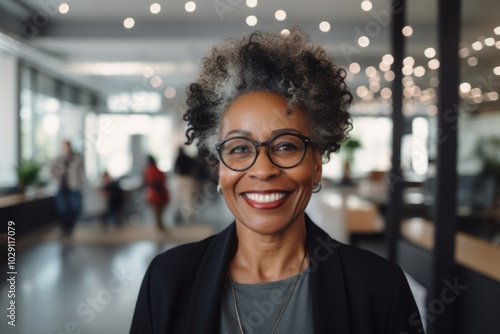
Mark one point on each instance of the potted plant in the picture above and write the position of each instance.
(28, 173)
(347, 151)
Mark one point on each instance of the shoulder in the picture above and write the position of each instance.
(180, 262)
(365, 265)
(358, 265)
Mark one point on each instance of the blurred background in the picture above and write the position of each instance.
(109, 78)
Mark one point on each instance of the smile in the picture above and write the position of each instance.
(265, 198)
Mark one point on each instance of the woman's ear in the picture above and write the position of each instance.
(317, 167)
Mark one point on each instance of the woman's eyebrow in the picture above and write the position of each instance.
(249, 134)
(238, 132)
(286, 130)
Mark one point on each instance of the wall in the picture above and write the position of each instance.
(8, 120)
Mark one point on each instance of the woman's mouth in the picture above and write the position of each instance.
(265, 201)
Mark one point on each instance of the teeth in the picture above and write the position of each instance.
(267, 198)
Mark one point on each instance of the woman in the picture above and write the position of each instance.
(271, 108)
(157, 194)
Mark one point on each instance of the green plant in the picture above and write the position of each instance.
(488, 151)
(28, 172)
(348, 149)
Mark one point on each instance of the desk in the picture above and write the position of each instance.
(471, 252)
(342, 213)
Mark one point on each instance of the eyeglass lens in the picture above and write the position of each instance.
(284, 151)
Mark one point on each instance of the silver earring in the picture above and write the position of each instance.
(219, 189)
(317, 188)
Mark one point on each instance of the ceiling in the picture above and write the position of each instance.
(91, 43)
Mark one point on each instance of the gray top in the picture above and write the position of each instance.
(260, 305)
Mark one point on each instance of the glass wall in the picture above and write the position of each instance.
(50, 111)
(479, 120)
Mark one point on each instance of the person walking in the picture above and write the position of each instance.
(69, 173)
(157, 194)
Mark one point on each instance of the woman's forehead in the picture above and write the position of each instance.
(261, 113)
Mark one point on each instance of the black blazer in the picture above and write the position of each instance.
(352, 290)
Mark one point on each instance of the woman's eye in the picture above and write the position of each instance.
(240, 150)
(286, 147)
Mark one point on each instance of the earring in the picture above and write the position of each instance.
(316, 188)
(219, 189)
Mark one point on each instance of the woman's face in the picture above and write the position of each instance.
(260, 116)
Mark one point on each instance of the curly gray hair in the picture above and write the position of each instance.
(290, 66)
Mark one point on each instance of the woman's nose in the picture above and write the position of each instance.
(263, 168)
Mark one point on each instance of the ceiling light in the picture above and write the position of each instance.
(384, 67)
(408, 92)
(285, 32)
(388, 59)
(409, 61)
(493, 96)
(156, 81)
(476, 92)
(407, 70)
(354, 68)
(419, 71)
(371, 71)
(477, 46)
(155, 8)
(361, 91)
(433, 64)
(430, 52)
(63, 8)
(170, 92)
(374, 87)
(496, 70)
(128, 23)
(363, 41)
(434, 82)
(251, 20)
(280, 15)
(464, 52)
(408, 81)
(386, 93)
(389, 75)
(366, 5)
(324, 26)
(497, 45)
(432, 110)
(490, 41)
(497, 30)
(251, 3)
(190, 6)
(407, 31)
(472, 61)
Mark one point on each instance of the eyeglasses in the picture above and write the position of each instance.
(285, 150)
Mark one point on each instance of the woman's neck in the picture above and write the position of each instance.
(267, 258)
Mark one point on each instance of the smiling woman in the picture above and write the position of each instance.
(271, 108)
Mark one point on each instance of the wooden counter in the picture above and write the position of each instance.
(470, 251)
(31, 211)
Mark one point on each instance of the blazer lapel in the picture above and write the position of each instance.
(204, 307)
(327, 283)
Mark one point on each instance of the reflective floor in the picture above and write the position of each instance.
(90, 283)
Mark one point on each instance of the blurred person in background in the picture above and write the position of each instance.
(184, 184)
(157, 194)
(270, 109)
(69, 173)
(114, 201)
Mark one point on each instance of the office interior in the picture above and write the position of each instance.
(418, 182)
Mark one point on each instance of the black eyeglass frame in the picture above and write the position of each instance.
(306, 140)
